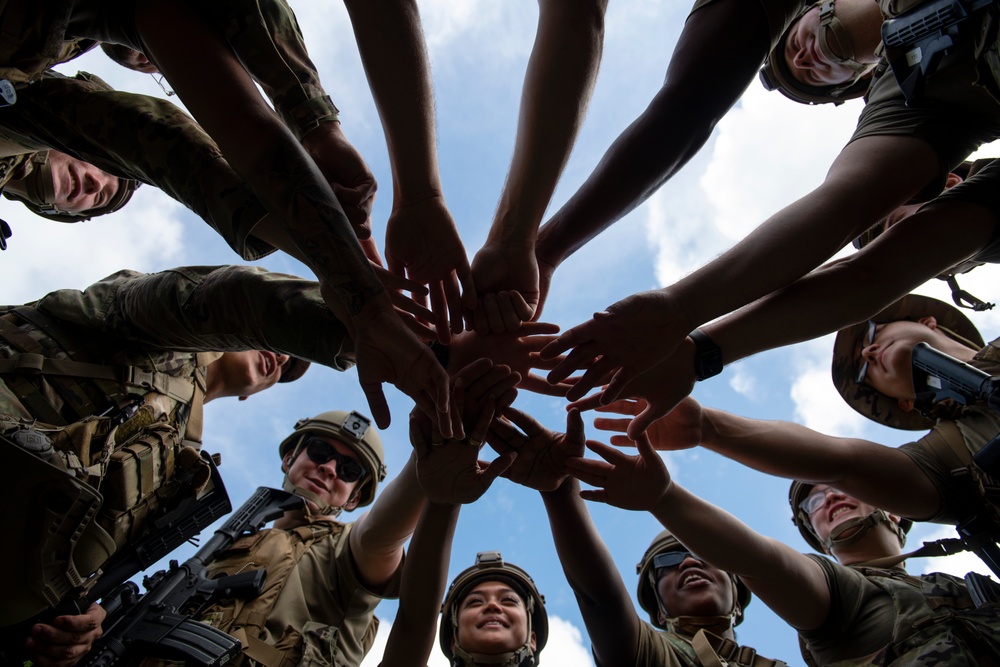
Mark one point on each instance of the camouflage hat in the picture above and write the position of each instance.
(36, 192)
(847, 361)
(490, 566)
(649, 599)
(776, 75)
(798, 492)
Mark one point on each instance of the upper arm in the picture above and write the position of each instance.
(796, 587)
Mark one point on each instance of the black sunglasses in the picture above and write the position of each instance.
(671, 559)
(320, 452)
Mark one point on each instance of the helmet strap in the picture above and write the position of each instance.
(863, 526)
(831, 26)
(322, 507)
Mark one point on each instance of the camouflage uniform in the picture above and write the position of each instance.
(151, 140)
(887, 617)
(116, 375)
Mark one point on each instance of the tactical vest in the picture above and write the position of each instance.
(934, 623)
(32, 38)
(710, 650)
(124, 447)
(276, 551)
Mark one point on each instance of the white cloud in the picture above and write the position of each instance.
(743, 382)
(46, 255)
(817, 403)
(565, 647)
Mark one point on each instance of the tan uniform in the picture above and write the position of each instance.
(887, 617)
(935, 454)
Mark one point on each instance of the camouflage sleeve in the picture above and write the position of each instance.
(140, 137)
(212, 308)
(265, 35)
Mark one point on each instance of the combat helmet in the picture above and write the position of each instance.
(650, 601)
(775, 74)
(36, 192)
(866, 399)
(798, 492)
(352, 429)
(490, 566)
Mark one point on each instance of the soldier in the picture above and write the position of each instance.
(116, 375)
(855, 610)
(931, 479)
(689, 625)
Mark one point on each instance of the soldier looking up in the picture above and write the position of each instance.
(872, 372)
(845, 611)
(693, 607)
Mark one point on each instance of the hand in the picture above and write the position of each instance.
(66, 640)
(347, 173)
(449, 471)
(386, 351)
(541, 453)
(628, 482)
(518, 350)
(680, 429)
(545, 272)
(662, 387)
(481, 386)
(619, 343)
(506, 280)
(422, 243)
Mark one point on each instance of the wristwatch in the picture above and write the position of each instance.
(707, 356)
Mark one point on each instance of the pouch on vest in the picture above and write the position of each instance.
(53, 522)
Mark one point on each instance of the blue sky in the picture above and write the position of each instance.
(766, 153)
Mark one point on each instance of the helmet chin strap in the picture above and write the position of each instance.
(323, 508)
(863, 526)
(690, 625)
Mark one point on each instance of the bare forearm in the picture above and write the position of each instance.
(378, 537)
(788, 582)
(391, 42)
(604, 601)
(672, 129)
(853, 289)
(557, 88)
(806, 233)
(425, 576)
(881, 476)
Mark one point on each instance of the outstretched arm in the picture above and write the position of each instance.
(701, 85)
(611, 620)
(558, 84)
(790, 583)
(785, 247)
(421, 237)
(880, 476)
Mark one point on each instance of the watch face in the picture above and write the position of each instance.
(708, 356)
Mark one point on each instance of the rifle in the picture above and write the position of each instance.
(930, 38)
(160, 623)
(179, 525)
(936, 377)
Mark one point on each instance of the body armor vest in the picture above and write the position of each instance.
(706, 649)
(120, 445)
(277, 551)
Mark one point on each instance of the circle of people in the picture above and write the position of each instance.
(101, 391)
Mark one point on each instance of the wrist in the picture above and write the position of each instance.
(707, 355)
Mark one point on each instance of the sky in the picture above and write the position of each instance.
(766, 153)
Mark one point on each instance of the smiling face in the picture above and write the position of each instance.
(492, 619)
(694, 588)
(80, 186)
(806, 60)
(322, 479)
(245, 373)
(837, 507)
